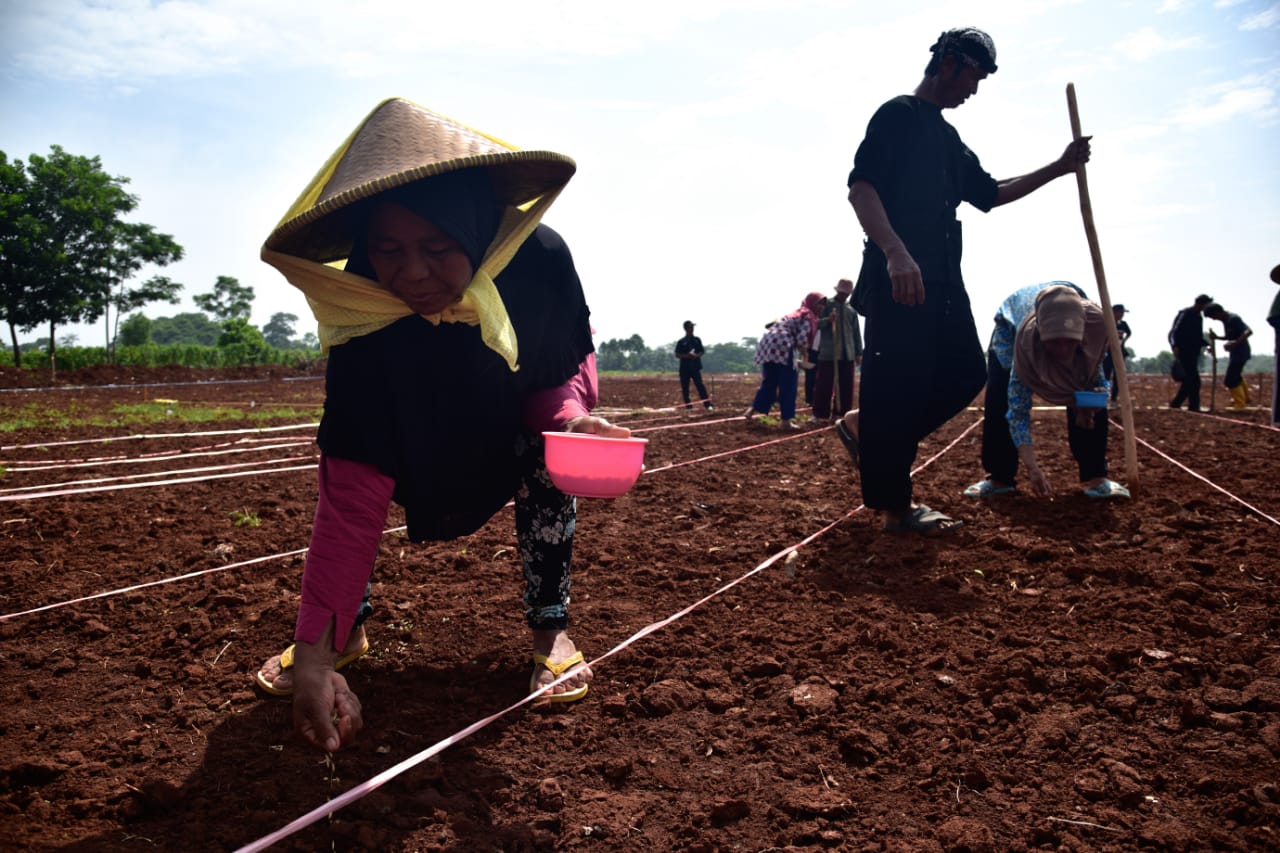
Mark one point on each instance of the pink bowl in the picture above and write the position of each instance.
(591, 466)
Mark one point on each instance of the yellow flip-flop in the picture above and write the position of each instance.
(557, 670)
(286, 661)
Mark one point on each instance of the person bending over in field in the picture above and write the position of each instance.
(450, 284)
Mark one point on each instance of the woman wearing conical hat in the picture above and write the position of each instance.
(456, 331)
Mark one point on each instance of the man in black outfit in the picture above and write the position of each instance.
(689, 352)
(922, 362)
(1186, 339)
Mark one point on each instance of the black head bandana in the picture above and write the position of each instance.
(970, 45)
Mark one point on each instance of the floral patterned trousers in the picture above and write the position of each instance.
(545, 522)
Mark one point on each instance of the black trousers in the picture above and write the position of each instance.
(1000, 455)
(1189, 391)
(694, 376)
(921, 366)
(810, 377)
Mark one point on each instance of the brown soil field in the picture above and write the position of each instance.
(1063, 675)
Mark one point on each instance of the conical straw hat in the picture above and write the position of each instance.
(398, 143)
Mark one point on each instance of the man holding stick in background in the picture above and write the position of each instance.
(923, 362)
(1236, 334)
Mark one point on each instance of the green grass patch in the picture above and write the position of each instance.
(244, 518)
(43, 416)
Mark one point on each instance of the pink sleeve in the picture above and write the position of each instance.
(551, 409)
(350, 513)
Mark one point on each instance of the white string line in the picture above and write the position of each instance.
(55, 490)
(158, 435)
(21, 468)
(1201, 477)
(1230, 420)
(202, 470)
(374, 782)
(143, 457)
(274, 556)
(107, 594)
(179, 481)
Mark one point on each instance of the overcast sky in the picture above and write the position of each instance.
(713, 137)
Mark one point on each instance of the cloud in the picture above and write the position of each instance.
(1148, 43)
(1263, 20)
(141, 40)
(1252, 96)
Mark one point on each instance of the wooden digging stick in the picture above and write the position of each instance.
(1113, 337)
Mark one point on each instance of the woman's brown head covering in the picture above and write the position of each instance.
(401, 143)
(1065, 315)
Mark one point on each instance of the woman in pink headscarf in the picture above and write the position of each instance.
(785, 343)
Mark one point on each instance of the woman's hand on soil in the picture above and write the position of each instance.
(326, 713)
(1040, 483)
(596, 426)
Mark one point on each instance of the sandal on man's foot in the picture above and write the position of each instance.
(850, 442)
(557, 670)
(927, 522)
(987, 488)
(1107, 489)
(286, 662)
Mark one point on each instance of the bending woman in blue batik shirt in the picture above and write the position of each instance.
(1049, 341)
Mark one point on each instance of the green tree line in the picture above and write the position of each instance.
(68, 255)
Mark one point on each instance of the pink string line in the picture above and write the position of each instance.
(110, 438)
(375, 782)
(203, 470)
(175, 482)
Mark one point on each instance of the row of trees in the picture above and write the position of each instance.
(67, 255)
(630, 355)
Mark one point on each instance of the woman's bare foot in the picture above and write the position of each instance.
(282, 679)
(557, 647)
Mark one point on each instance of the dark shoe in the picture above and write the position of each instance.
(927, 522)
(850, 442)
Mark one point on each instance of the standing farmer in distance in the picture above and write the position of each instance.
(1186, 340)
(923, 362)
(689, 353)
(1273, 318)
(839, 352)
